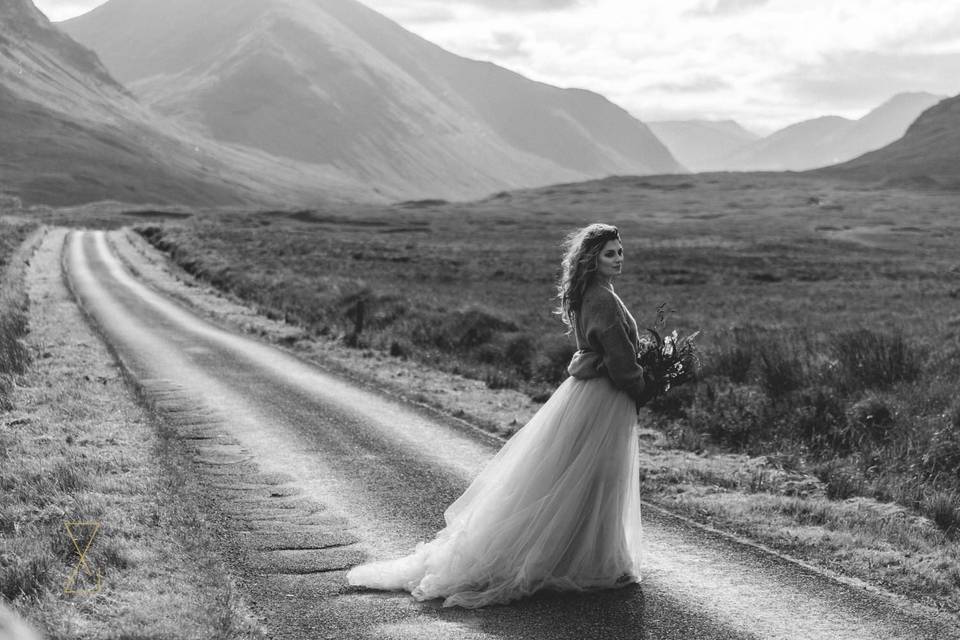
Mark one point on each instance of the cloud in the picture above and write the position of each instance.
(725, 7)
(863, 79)
(531, 6)
(422, 12)
(57, 10)
(696, 84)
(766, 63)
(504, 45)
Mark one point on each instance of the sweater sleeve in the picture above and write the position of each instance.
(606, 328)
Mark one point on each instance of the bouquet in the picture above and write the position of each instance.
(667, 359)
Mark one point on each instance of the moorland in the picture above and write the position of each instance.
(828, 318)
(827, 311)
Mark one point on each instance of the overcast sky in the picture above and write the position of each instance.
(764, 63)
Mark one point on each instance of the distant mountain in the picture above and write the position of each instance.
(333, 82)
(928, 153)
(800, 146)
(701, 145)
(830, 139)
(71, 134)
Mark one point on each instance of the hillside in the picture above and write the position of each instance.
(702, 145)
(799, 146)
(926, 154)
(71, 134)
(830, 139)
(336, 83)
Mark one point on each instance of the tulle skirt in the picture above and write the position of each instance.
(558, 507)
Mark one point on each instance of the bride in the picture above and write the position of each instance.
(558, 507)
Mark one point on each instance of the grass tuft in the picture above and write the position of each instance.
(27, 569)
(944, 509)
(872, 359)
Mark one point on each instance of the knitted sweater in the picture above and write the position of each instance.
(607, 342)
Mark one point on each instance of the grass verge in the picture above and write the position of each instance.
(76, 448)
(14, 355)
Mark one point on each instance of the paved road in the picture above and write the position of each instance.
(379, 474)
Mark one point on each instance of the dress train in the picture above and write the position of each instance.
(558, 507)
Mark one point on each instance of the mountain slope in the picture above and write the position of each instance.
(830, 139)
(883, 125)
(71, 134)
(800, 146)
(331, 81)
(927, 153)
(701, 145)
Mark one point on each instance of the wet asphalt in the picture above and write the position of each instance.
(307, 474)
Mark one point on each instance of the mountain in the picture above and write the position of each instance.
(830, 139)
(71, 134)
(701, 145)
(926, 154)
(333, 82)
(800, 146)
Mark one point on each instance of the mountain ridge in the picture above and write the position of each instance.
(701, 145)
(830, 139)
(336, 83)
(72, 134)
(926, 155)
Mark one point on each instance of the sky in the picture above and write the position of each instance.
(764, 63)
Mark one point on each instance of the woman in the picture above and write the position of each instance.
(558, 507)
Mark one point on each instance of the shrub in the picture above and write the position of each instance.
(781, 370)
(550, 364)
(840, 481)
(732, 415)
(489, 353)
(683, 436)
(868, 420)
(497, 379)
(944, 509)
(355, 306)
(842, 485)
(815, 417)
(736, 358)
(733, 363)
(460, 331)
(868, 359)
(400, 348)
(474, 326)
(942, 455)
(676, 404)
(387, 310)
(519, 352)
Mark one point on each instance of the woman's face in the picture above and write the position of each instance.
(610, 261)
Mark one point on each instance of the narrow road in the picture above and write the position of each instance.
(379, 474)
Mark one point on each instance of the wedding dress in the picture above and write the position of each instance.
(558, 507)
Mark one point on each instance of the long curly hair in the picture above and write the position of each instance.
(581, 251)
